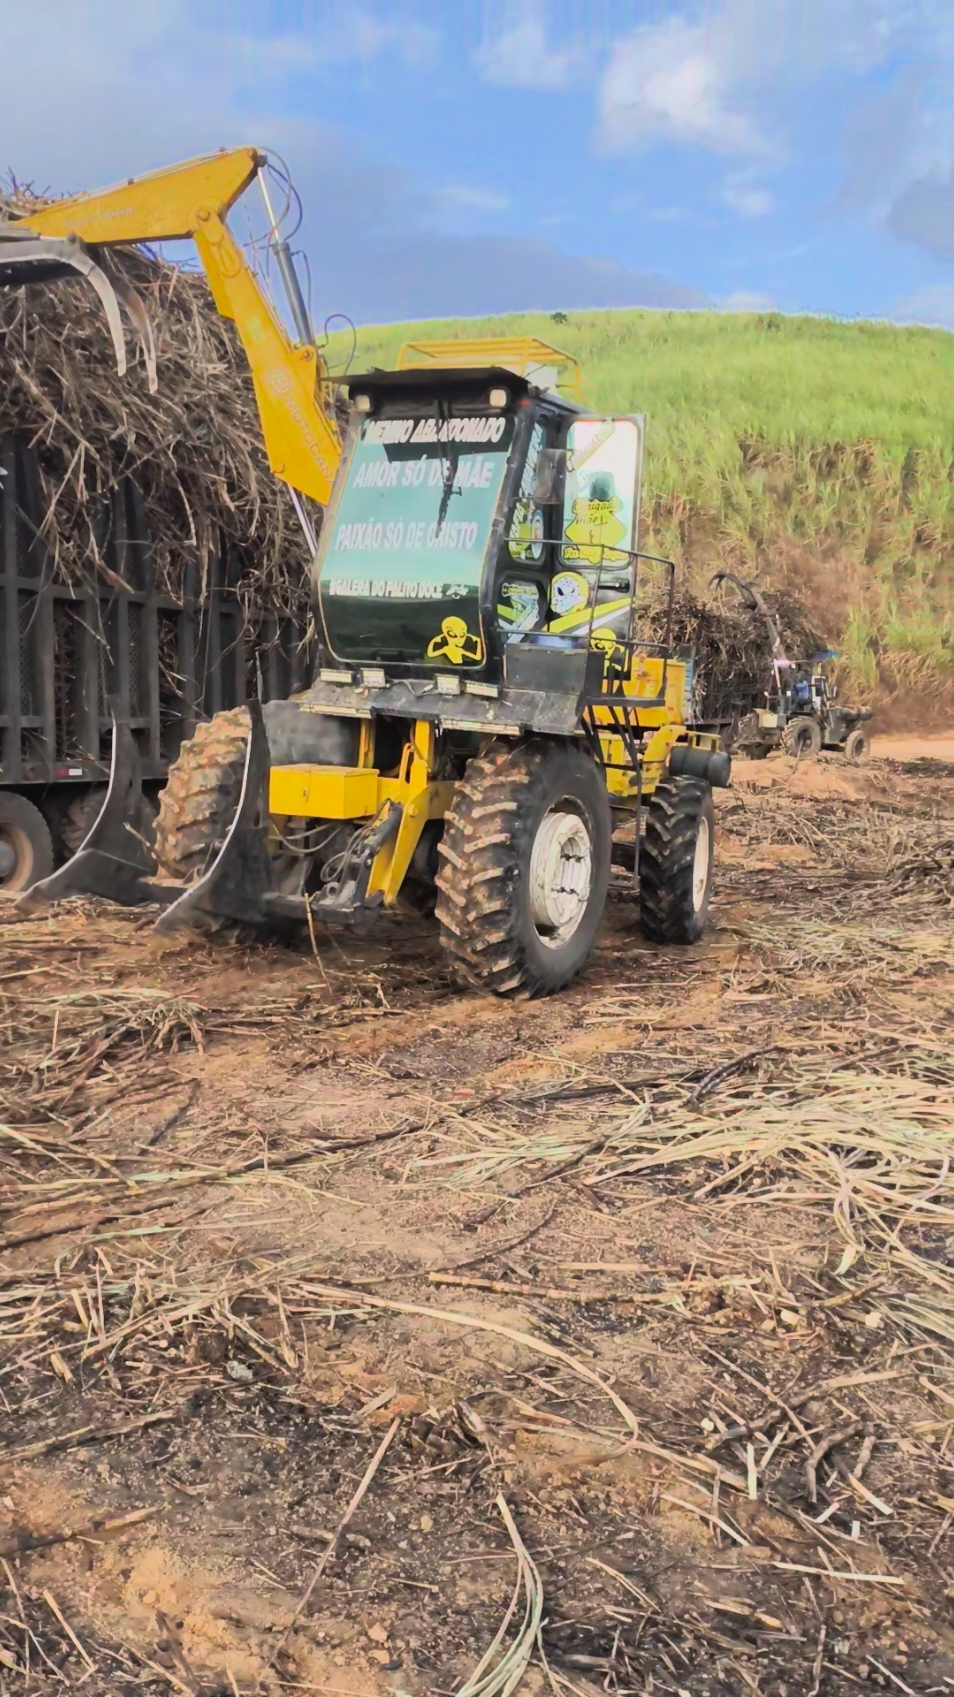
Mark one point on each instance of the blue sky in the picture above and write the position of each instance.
(459, 156)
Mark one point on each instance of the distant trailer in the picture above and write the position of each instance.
(65, 653)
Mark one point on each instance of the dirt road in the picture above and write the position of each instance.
(654, 1278)
(914, 748)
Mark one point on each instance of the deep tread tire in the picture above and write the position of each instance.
(802, 738)
(669, 913)
(201, 796)
(858, 745)
(25, 834)
(483, 906)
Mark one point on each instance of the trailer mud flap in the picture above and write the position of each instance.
(240, 878)
(113, 860)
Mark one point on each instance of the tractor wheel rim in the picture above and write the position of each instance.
(700, 866)
(561, 875)
(16, 858)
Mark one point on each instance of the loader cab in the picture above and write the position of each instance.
(472, 509)
(433, 548)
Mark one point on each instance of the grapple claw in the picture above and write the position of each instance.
(113, 860)
(26, 258)
(240, 877)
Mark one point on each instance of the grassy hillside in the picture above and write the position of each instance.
(814, 454)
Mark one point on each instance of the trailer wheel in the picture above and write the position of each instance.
(802, 737)
(525, 868)
(79, 818)
(72, 826)
(675, 861)
(858, 745)
(26, 847)
(201, 796)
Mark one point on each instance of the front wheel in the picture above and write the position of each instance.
(858, 745)
(525, 868)
(675, 861)
(802, 737)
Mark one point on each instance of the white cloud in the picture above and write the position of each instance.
(665, 82)
(746, 300)
(748, 201)
(518, 54)
(931, 305)
(716, 82)
(136, 87)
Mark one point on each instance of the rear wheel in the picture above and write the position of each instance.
(802, 737)
(675, 861)
(26, 847)
(525, 868)
(858, 745)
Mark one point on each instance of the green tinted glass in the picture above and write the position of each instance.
(403, 551)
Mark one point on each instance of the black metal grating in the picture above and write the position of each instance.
(137, 666)
(31, 703)
(109, 653)
(64, 652)
(67, 686)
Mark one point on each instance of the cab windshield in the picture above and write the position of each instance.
(403, 549)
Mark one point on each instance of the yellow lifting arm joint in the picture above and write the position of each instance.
(191, 200)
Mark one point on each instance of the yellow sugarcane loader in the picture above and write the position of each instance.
(484, 711)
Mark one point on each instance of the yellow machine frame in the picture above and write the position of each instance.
(362, 793)
(191, 200)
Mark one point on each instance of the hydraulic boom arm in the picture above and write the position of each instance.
(191, 201)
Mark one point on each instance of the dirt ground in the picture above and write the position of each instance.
(906, 748)
(638, 1300)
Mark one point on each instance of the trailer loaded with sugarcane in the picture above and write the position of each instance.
(72, 654)
(149, 561)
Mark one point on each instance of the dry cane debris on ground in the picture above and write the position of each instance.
(361, 1335)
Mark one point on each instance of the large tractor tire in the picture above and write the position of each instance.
(675, 861)
(525, 868)
(201, 796)
(858, 745)
(26, 847)
(802, 738)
